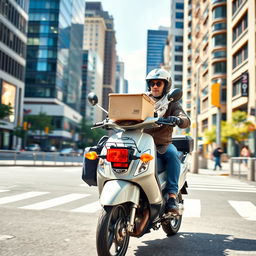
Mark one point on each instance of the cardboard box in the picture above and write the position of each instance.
(130, 107)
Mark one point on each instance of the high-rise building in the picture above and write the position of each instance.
(99, 36)
(176, 42)
(241, 48)
(120, 81)
(156, 40)
(54, 60)
(13, 38)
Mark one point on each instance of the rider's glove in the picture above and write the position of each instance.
(174, 120)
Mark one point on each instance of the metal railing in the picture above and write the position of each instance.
(31, 158)
(243, 166)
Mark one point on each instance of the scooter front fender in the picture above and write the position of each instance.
(119, 191)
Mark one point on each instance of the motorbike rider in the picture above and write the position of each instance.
(159, 84)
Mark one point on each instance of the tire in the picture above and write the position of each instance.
(112, 237)
(172, 226)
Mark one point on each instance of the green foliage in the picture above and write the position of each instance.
(209, 135)
(39, 122)
(88, 136)
(238, 129)
(5, 111)
(19, 132)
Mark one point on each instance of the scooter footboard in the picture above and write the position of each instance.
(119, 191)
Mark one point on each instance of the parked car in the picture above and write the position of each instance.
(50, 148)
(68, 152)
(33, 147)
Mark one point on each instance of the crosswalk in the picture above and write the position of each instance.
(89, 203)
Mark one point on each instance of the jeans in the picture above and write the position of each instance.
(217, 162)
(172, 162)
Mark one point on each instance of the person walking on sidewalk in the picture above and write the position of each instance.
(217, 158)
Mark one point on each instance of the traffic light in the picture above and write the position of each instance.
(25, 125)
(215, 95)
(46, 129)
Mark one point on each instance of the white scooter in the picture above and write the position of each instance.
(132, 182)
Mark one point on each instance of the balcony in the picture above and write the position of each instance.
(219, 55)
(218, 1)
(219, 26)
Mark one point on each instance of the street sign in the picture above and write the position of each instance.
(244, 84)
(215, 95)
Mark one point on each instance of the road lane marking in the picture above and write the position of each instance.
(245, 209)
(192, 208)
(55, 202)
(223, 190)
(14, 198)
(88, 208)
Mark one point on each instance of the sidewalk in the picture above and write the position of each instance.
(225, 171)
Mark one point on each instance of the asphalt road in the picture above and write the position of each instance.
(50, 211)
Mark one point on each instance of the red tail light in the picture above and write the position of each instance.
(118, 155)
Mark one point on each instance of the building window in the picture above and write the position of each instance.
(236, 4)
(179, 39)
(179, 15)
(178, 67)
(205, 123)
(220, 12)
(178, 48)
(179, 25)
(219, 40)
(219, 67)
(240, 27)
(180, 6)
(178, 78)
(240, 56)
(178, 57)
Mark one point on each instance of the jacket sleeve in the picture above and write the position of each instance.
(177, 110)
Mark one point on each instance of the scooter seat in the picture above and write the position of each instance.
(161, 165)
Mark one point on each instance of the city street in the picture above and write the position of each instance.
(50, 211)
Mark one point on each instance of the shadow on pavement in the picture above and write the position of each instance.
(199, 244)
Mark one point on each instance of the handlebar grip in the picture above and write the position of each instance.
(98, 124)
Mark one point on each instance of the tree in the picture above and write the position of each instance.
(39, 122)
(209, 135)
(5, 111)
(238, 128)
(88, 136)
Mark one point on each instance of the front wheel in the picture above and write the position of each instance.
(172, 225)
(112, 237)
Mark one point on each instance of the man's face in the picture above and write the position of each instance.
(156, 87)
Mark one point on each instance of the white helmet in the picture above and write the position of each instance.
(160, 74)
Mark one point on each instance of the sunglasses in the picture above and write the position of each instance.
(158, 83)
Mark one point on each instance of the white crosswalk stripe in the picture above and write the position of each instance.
(4, 190)
(245, 209)
(192, 208)
(15, 198)
(88, 208)
(55, 202)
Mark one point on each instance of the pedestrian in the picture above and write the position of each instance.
(217, 158)
(245, 152)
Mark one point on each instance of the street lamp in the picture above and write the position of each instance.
(195, 154)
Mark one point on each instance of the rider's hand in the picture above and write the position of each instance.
(174, 120)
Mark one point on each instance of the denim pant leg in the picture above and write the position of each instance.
(172, 162)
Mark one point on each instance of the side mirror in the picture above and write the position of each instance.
(174, 95)
(92, 98)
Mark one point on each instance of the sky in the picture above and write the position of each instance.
(132, 19)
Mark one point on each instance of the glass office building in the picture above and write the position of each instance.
(13, 38)
(54, 60)
(156, 41)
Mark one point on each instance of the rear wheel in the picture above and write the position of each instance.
(112, 237)
(172, 225)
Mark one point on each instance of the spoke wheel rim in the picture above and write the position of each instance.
(117, 233)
